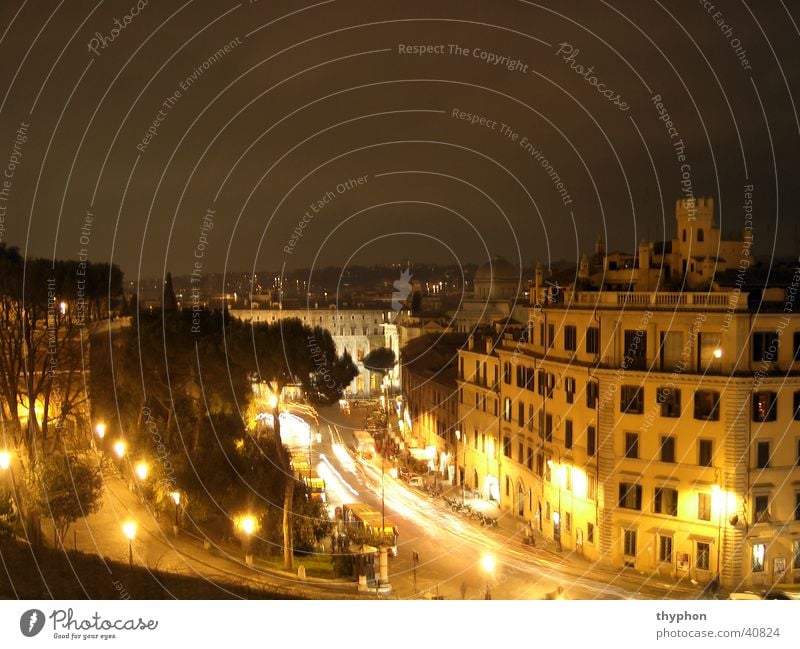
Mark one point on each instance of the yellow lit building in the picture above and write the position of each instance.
(658, 430)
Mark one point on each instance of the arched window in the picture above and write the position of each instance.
(684, 235)
(700, 235)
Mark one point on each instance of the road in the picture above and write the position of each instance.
(451, 547)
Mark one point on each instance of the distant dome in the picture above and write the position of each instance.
(496, 279)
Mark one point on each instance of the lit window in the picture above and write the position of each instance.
(759, 553)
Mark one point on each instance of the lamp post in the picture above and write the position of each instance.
(176, 498)
(557, 516)
(247, 525)
(120, 448)
(129, 529)
(5, 466)
(461, 477)
(488, 565)
(142, 470)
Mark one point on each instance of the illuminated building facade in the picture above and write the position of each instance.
(652, 429)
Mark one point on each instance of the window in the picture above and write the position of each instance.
(700, 236)
(765, 346)
(704, 507)
(670, 400)
(758, 554)
(703, 556)
(671, 349)
(591, 487)
(592, 340)
(765, 406)
(541, 334)
(797, 505)
(705, 452)
(521, 414)
(591, 441)
(665, 501)
(530, 417)
(706, 405)
(631, 400)
(461, 368)
(507, 373)
(567, 521)
(635, 350)
(630, 496)
(569, 388)
(591, 394)
(667, 448)
(506, 446)
(761, 508)
(629, 541)
(709, 352)
(570, 338)
(590, 533)
(796, 555)
(541, 382)
(683, 236)
(762, 455)
(551, 335)
(507, 409)
(539, 464)
(796, 406)
(548, 428)
(494, 385)
(665, 549)
(567, 433)
(632, 445)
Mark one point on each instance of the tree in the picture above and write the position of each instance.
(8, 516)
(170, 302)
(65, 488)
(380, 360)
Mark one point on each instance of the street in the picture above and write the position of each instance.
(451, 548)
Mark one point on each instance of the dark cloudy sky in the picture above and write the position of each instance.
(311, 94)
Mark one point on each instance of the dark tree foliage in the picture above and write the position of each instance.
(380, 360)
(182, 388)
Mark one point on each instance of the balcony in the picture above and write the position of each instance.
(720, 301)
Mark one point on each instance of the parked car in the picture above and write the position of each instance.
(416, 481)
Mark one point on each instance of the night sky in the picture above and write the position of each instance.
(262, 112)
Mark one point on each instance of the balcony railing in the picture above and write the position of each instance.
(716, 301)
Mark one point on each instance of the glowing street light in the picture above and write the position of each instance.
(176, 498)
(488, 565)
(120, 448)
(129, 530)
(247, 525)
(273, 401)
(100, 429)
(142, 470)
(5, 460)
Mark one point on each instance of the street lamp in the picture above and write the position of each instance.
(247, 525)
(488, 565)
(560, 471)
(142, 470)
(176, 498)
(120, 448)
(460, 477)
(129, 529)
(100, 429)
(5, 460)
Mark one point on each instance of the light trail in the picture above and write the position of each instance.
(334, 477)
